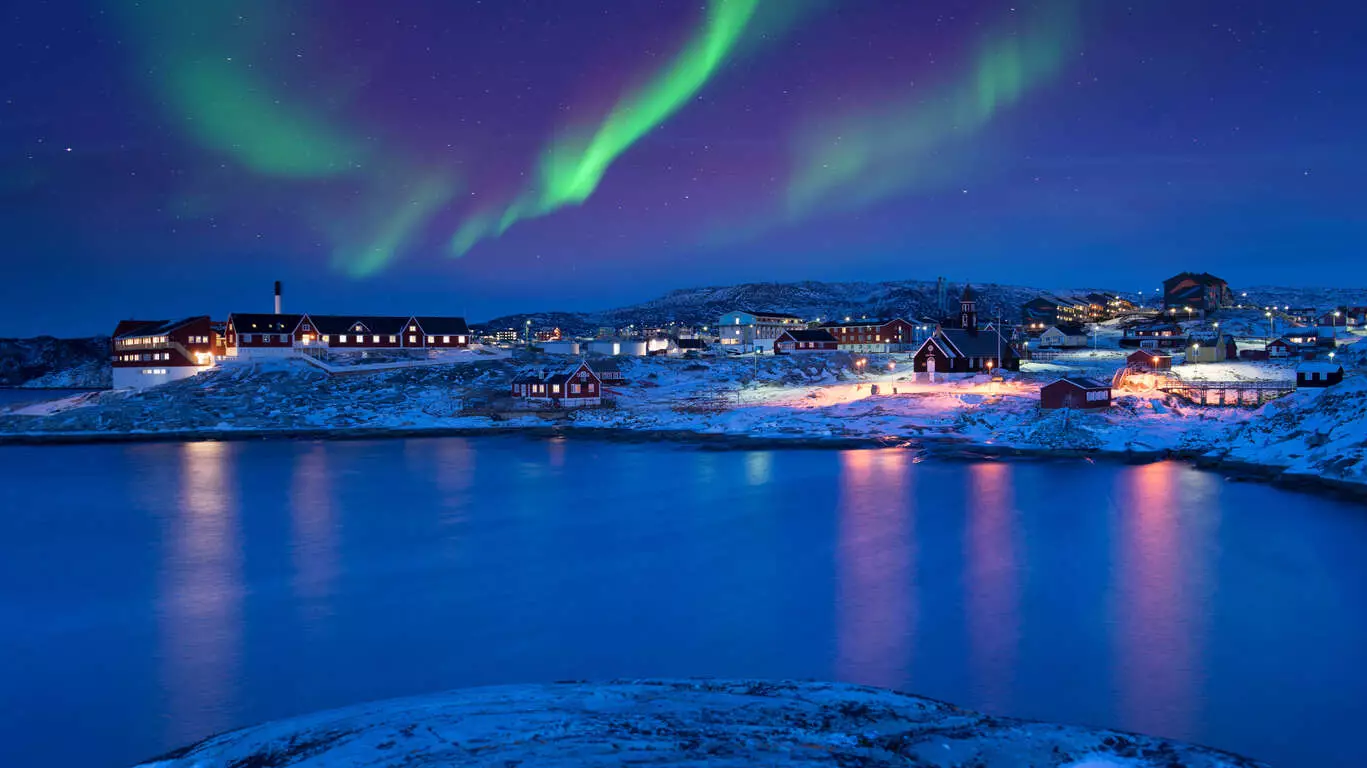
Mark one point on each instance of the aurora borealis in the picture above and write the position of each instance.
(163, 158)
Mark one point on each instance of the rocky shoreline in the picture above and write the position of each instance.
(682, 723)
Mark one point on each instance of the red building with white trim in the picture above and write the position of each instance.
(145, 353)
(574, 387)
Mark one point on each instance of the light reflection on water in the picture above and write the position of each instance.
(217, 585)
(876, 605)
(200, 609)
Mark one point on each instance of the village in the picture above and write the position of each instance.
(1193, 339)
(1192, 371)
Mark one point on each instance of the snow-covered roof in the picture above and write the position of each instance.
(1081, 382)
(1319, 367)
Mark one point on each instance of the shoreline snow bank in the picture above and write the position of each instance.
(774, 402)
(681, 723)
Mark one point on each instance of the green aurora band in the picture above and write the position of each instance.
(205, 60)
(858, 159)
(572, 167)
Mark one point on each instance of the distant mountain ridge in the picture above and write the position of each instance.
(912, 299)
(45, 361)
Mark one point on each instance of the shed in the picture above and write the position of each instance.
(1075, 392)
(1318, 374)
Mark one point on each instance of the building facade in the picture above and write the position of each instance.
(875, 336)
(803, 340)
(1075, 392)
(966, 349)
(576, 386)
(145, 353)
(755, 330)
(1199, 292)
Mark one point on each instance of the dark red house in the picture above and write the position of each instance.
(437, 333)
(358, 331)
(572, 387)
(1075, 392)
(1321, 374)
(801, 340)
(145, 353)
(1150, 359)
(261, 335)
(966, 349)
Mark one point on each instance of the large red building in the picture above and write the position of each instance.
(144, 353)
(270, 335)
(872, 335)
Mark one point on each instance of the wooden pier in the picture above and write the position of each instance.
(1228, 393)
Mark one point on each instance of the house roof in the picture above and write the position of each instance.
(1151, 353)
(140, 328)
(1081, 382)
(1069, 329)
(264, 322)
(692, 344)
(443, 326)
(390, 325)
(982, 344)
(1319, 367)
(809, 334)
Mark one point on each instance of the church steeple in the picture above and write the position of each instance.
(968, 310)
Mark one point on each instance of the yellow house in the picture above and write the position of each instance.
(1208, 350)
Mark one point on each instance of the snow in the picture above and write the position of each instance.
(801, 398)
(682, 723)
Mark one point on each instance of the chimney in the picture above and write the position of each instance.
(277, 297)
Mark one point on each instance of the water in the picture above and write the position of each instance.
(153, 594)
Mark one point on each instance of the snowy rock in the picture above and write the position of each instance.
(680, 723)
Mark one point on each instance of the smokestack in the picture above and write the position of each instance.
(277, 297)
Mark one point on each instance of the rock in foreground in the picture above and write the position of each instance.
(668, 722)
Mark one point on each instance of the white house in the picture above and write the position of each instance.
(1063, 336)
(755, 330)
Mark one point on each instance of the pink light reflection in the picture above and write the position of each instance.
(993, 594)
(874, 560)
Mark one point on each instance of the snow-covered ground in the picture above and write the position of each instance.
(682, 723)
(799, 398)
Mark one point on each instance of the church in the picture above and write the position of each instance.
(966, 349)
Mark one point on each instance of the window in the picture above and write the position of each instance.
(306, 327)
(392, 339)
(412, 339)
(590, 387)
(376, 339)
(412, 329)
(555, 388)
(246, 338)
(574, 389)
(446, 339)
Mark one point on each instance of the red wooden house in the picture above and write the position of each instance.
(145, 353)
(1150, 360)
(342, 332)
(803, 340)
(253, 335)
(573, 387)
(437, 333)
(1075, 392)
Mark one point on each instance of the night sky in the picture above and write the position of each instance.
(164, 158)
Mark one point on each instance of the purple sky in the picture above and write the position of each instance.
(149, 159)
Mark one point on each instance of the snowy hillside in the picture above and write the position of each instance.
(48, 362)
(716, 723)
(702, 306)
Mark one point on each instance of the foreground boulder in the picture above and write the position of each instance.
(679, 722)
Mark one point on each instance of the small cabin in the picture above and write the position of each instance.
(1075, 392)
(572, 387)
(1282, 348)
(1318, 374)
(1150, 359)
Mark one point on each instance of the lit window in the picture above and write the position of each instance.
(342, 339)
(412, 339)
(412, 329)
(446, 339)
(555, 388)
(431, 339)
(392, 339)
